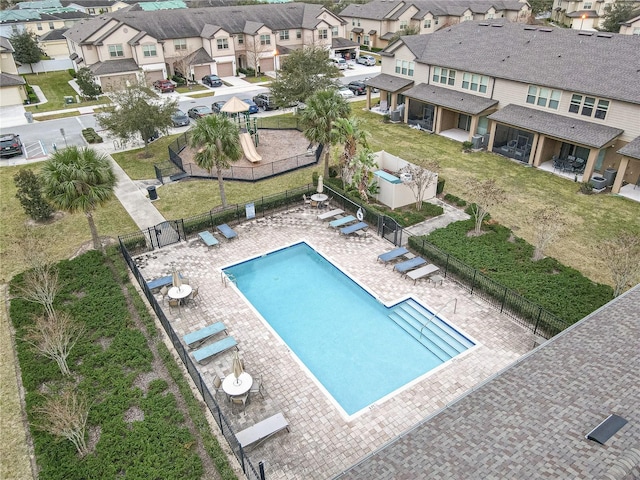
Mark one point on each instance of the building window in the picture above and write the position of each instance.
(403, 24)
(468, 18)
(587, 6)
(298, 34)
(404, 67)
(92, 11)
(353, 22)
(490, 16)
(240, 38)
(358, 22)
(636, 31)
(116, 51)
(601, 109)
(149, 50)
(334, 32)
(265, 39)
(427, 24)
(435, 20)
(51, 26)
(39, 26)
(476, 83)
(576, 101)
(284, 34)
(444, 76)
(223, 43)
(589, 106)
(323, 33)
(180, 44)
(543, 97)
(14, 29)
(367, 40)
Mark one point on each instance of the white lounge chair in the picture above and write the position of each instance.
(194, 339)
(330, 214)
(422, 272)
(262, 430)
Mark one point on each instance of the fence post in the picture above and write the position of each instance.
(535, 329)
(504, 299)
(473, 282)
(261, 467)
(446, 266)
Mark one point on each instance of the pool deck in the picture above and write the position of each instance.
(321, 442)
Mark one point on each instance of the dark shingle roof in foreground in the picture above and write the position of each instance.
(531, 419)
(553, 57)
(570, 129)
(448, 98)
(631, 149)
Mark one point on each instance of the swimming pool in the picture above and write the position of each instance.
(358, 349)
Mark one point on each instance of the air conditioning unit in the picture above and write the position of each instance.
(394, 115)
(477, 141)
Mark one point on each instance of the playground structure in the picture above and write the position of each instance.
(249, 137)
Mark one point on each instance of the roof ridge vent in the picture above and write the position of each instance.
(607, 429)
(528, 27)
(586, 34)
(499, 25)
(483, 24)
(605, 35)
(546, 29)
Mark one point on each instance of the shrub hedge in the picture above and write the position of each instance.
(561, 290)
(106, 363)
(91, 136)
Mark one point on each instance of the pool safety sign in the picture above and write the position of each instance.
(250, 210)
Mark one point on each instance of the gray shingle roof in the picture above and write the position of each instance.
(114, 66)
(530, 420)
(10, 80)
(605, 65)
(57, 34)
(198, 57)
(389, 83)
(339, 42)
(170, 24)
(459, 101)
(5, 45)
(570, 129)
(381, 9)
(631, 149)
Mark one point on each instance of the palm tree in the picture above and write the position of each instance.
(217, 141)
(323, 109)
(79, 179)
(348, 132)
(362, 166)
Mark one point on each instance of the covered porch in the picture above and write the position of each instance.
(456, 115)
(571, 146)
(391, 90)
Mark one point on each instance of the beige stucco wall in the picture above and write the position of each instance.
(55, 48)
(12, 96)
(629, 29)
(7, 63)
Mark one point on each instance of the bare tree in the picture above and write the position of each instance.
(256, 50)
(66, 416)
(484, 195)
(54, 337)
(622, 256)
(547, 223)
(40, 284)
(421, 179)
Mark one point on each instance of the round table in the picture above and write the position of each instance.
(319, 198)
(231, 386)
(181, 292)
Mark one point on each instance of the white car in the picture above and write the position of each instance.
(344, 92)
(366, 60)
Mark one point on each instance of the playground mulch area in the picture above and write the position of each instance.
(273, 146)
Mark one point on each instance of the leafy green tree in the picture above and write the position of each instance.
(361, 168)
(86, 81)
(217, 141)
(615, 13)
(79, 179)
(323, 109)
(540, 6)
(303, 73)
(26, 49)
(29, 193)
(137, 110)
(349, 132)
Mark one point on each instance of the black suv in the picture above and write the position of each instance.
(358, 88)
(10, 145)
(266, 101)
(212, 80)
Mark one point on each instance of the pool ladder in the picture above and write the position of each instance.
(228, 278)
(437, 314)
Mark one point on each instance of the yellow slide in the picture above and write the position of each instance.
(249, 148)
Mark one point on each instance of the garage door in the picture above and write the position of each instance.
(225, 69)
(153, 76)
(201, 71)
(111, 83)
(266, 65)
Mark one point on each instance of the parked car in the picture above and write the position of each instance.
(341, 63)
(199, 112)
(373, 89)
(366, 60)
(344, 92)
(265, 101)
(212, 80)
(10, 145)
(358, 88)
(217, 106)
(253, 108)
(164, 86)
(180, 119)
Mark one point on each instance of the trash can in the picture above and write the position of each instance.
(610, 175)
(153, 195)
(29, 117)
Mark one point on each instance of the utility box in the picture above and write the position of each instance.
(153, 194)
(68, 100)
(29, 117)
(610, 175)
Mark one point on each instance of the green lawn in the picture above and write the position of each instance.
(55, 86)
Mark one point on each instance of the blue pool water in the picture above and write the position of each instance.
(357, 348)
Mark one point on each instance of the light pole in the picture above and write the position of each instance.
(582, 21)
(275, 62)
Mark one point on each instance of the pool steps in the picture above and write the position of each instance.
(420, 322)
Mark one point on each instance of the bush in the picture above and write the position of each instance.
(440, 186)
(333, 171)
(179, 80)
(586, 188)
(30, 195)
(314, 178)
(249, 72)
(91, 136)
(455, 200)
(467, 146)
(72, 72)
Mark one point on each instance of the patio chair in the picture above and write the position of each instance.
(216, 384)
(392, 255)
(307, 201)
(240, 400)
(257, 386)
(227, 231)
(422, 272)
(174, 303)
(404, 267)
(357, 228)
(164, 291)
(192, 298)
(198, 337)
(206, 353)
(262, 430)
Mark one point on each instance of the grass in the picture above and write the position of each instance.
(65, 235)
(259, 79)
(208, 93)
(55, 86)
(191, 88)
(139, 167)
(55, 116)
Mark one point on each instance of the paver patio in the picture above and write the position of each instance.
(321, 442)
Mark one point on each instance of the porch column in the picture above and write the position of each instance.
(473, 127)
(394, 101)
(536, 159)
(622, 168)
(406, 110)
(492, 135)
(591, 163)
(368, 98)
(438, 120)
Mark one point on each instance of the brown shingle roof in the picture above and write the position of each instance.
(453, 99)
